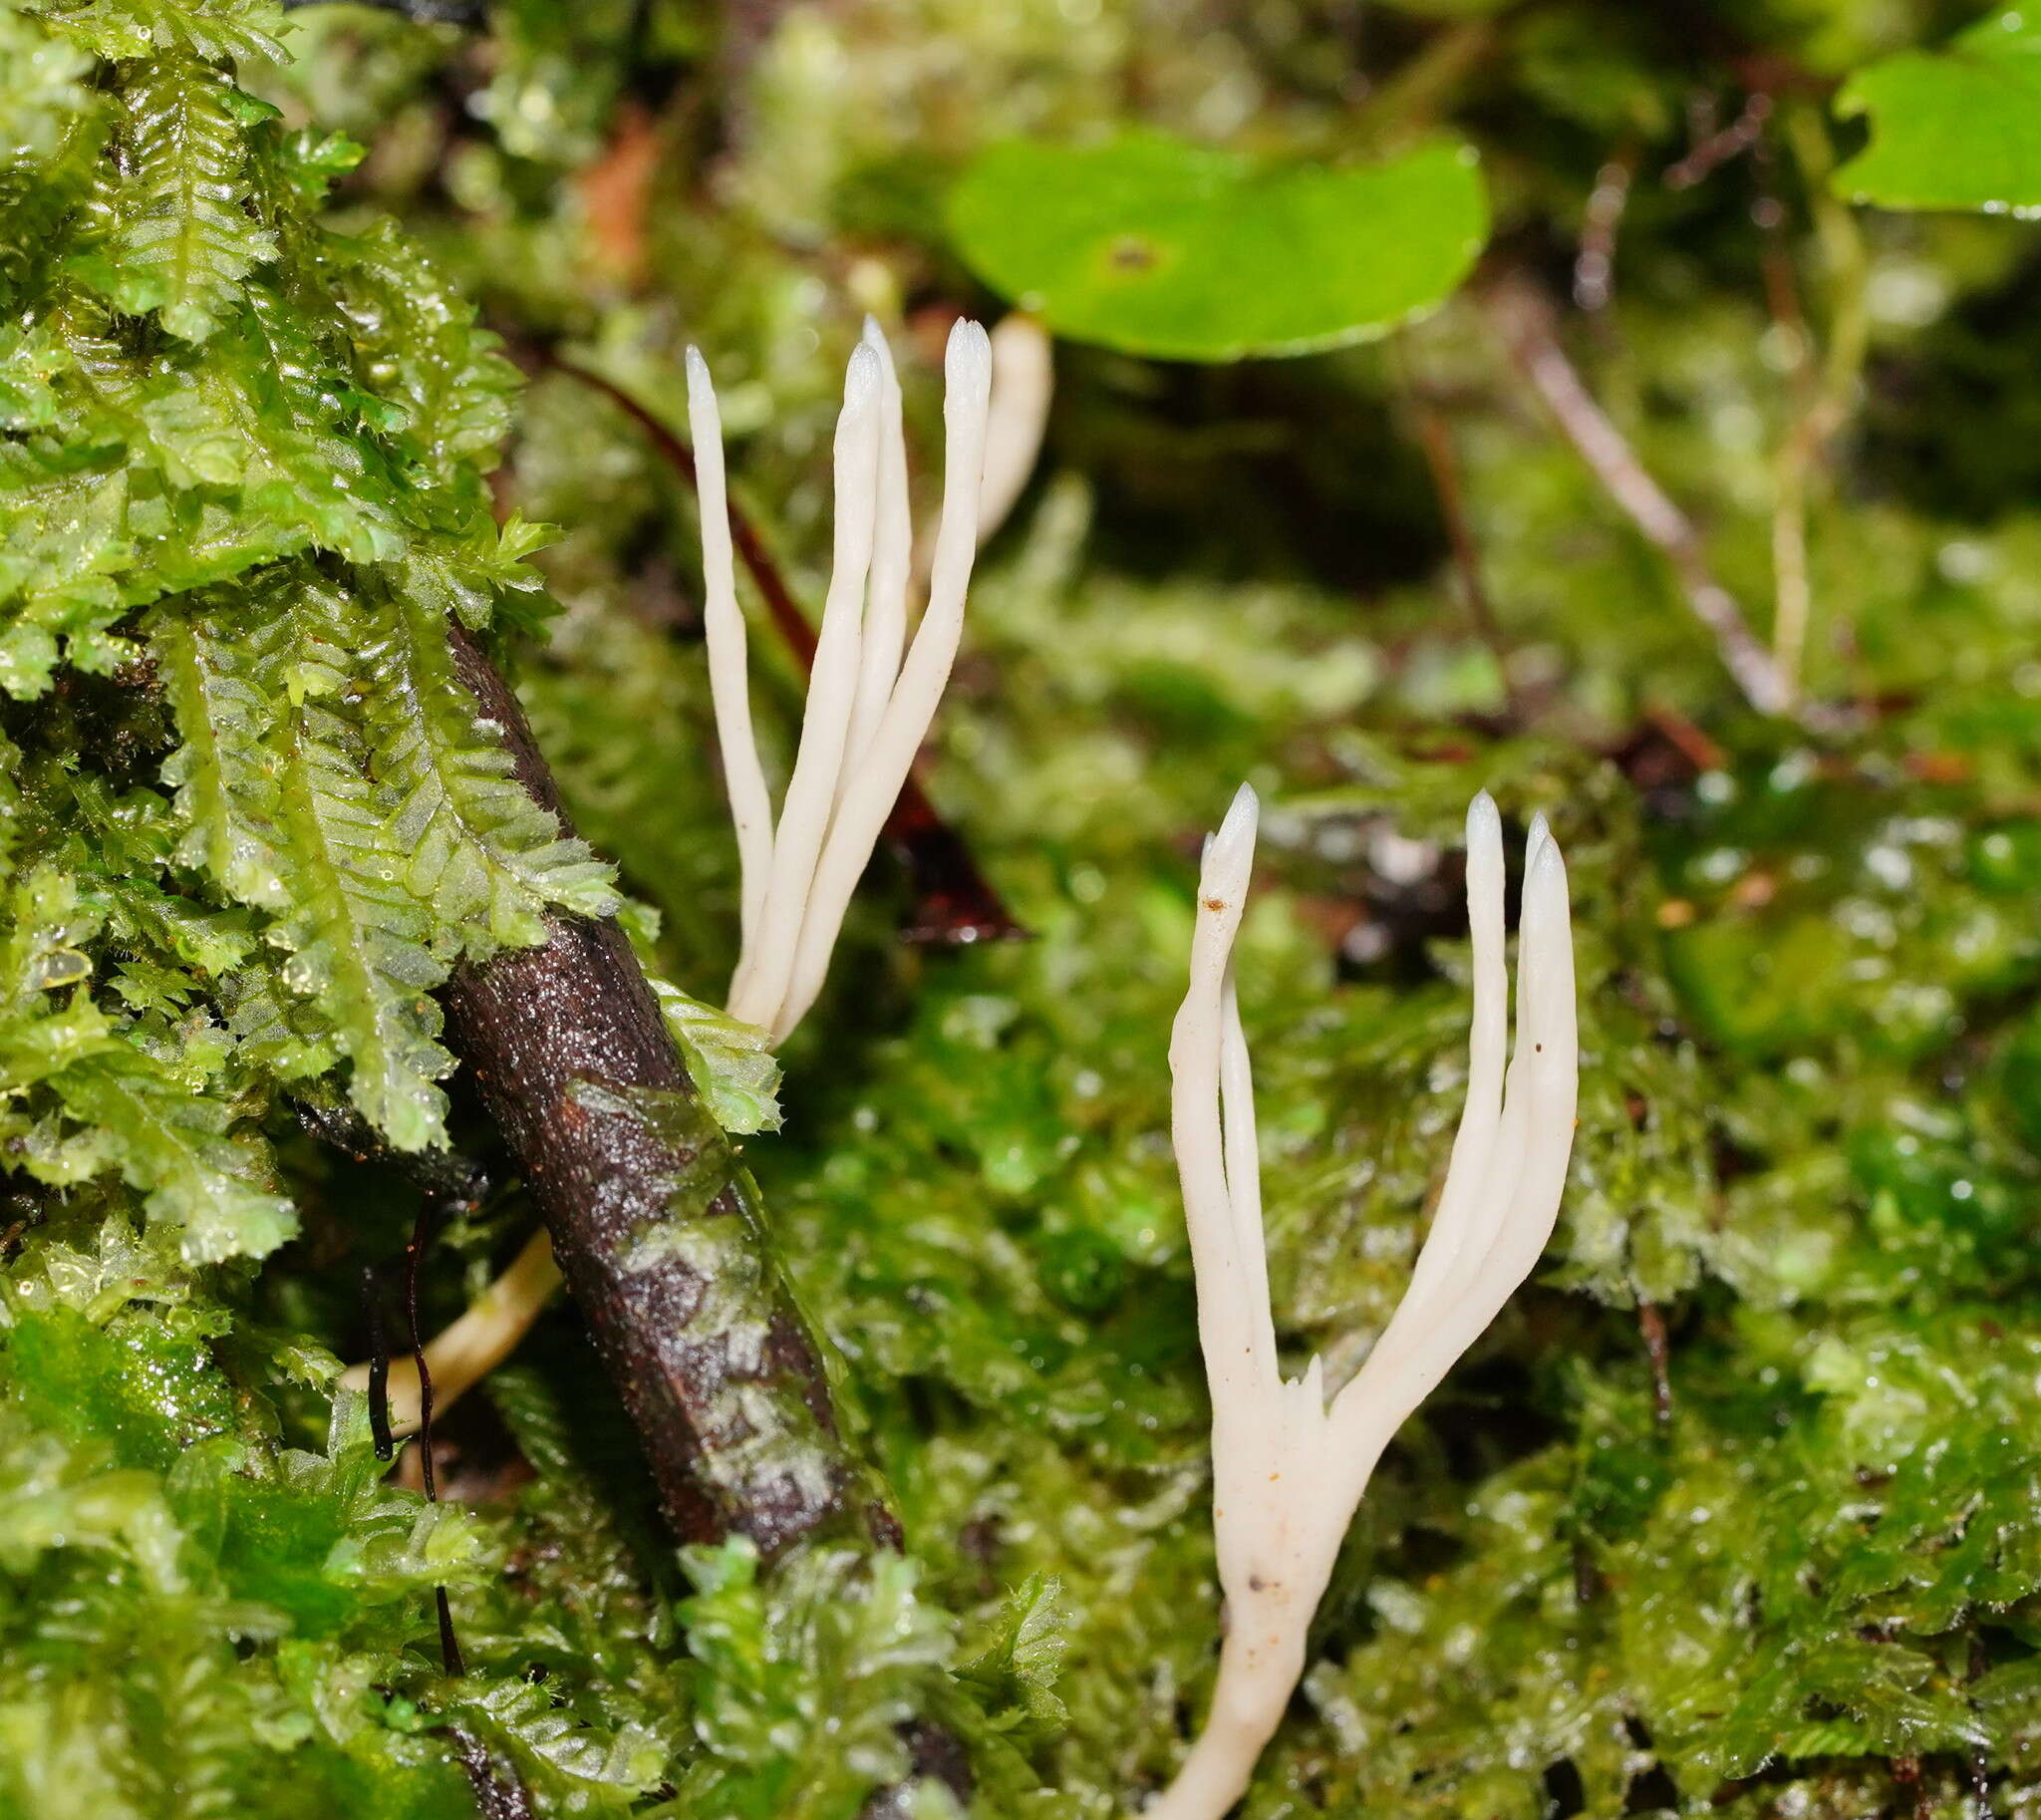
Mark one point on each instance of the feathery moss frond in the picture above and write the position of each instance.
(337, 774)
(418, 348)
(185, 238)
(211, 659)
(217, 30)
(41, 89)
(64, 540)
(361, 944)
(179, 1148)
(484, 858)
(83, 1090)
(273, 783)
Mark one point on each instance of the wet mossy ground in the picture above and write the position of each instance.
(1737, 1511)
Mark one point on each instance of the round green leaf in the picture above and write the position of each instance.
(1155, 246)
(1958, 128)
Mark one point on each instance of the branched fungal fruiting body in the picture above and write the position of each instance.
(1289, 1470)
(871, 694)
(871, 697)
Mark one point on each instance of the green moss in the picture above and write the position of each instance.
(145, 1389)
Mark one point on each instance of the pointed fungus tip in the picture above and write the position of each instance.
(1231, 850)
(967, 361)
(861, 377)
(1486, 869)
(698, 381)
(874, 338)
(1544, 908)
(1246, 807)
(1484, 831)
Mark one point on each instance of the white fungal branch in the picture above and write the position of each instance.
(871, 694)
(1024, 385)
(751, 808)
(1289, 1470)
(871, 697)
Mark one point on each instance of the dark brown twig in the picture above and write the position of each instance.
(450, 1643)
(379, 1365)
(954, 904)
(661, 1237)
(656, 1228)
(1523, 318)
(444, 1175)
(498, 1795)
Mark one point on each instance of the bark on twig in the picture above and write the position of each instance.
(656, 1227)
(1522, 316)
(499, 1794)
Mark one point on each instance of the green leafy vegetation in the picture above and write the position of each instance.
(1158, 246)
(1737, 1510)
(1954, 129)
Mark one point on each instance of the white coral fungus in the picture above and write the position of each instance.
(871, 694)
(1290, 1469)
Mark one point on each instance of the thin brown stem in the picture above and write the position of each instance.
(1702, 753)
(1651, 1324)
(1792, 583)
(1594, 263)
(413, 1257)
(379, 1365)
(1435, 439)
(1410, 102)
(1523, 318)
(1716, 148)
